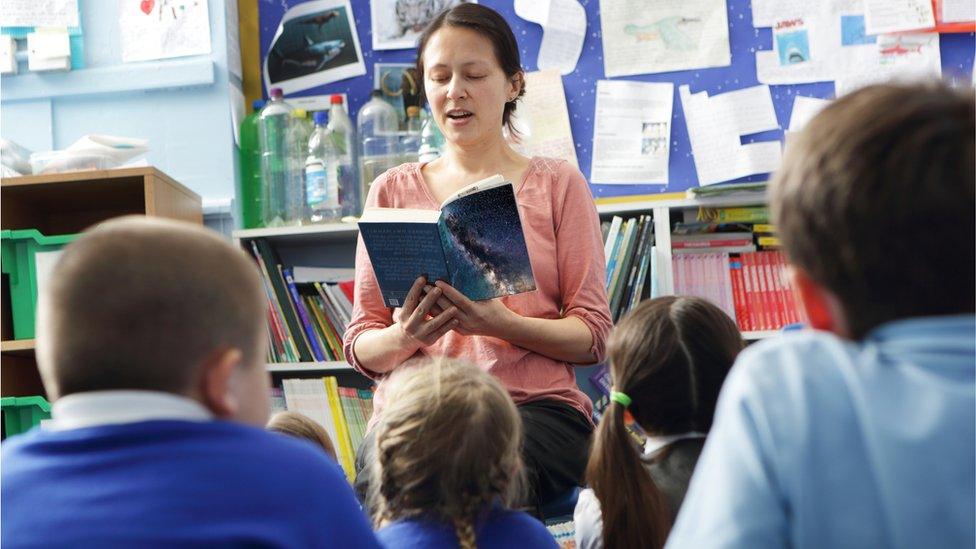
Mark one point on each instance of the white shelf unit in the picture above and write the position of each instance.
(314, 367)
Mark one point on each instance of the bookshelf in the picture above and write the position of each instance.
(68, 203)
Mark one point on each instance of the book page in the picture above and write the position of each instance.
(478, 186)
(484, 245)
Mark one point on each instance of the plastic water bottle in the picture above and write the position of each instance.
(378, 132)
(410, 143)
(250, 192)
(352, 193)
(431, 141)
(277, 172)
(323, 166)
(298, 135)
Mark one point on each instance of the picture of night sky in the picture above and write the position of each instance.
(484, 245)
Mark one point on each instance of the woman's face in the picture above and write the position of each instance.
(465, 86)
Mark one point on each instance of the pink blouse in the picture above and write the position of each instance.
(562, 233)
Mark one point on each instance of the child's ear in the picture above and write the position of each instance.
(215, 385)
(822, 306)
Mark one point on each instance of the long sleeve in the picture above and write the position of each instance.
(368, 311)
(581, 264)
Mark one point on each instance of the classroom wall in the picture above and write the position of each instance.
(957, 61)
(181, 105)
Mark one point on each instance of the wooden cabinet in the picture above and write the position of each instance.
(69, 203)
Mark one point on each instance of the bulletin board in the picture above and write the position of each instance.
(957, 64)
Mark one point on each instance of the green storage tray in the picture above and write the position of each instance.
(19, 261)
(21, 414)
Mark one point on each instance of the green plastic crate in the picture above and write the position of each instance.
(20, 261)
(21, 414)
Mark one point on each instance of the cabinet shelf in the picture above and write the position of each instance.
(17, 347)
(301, 367)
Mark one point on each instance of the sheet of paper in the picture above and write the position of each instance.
(163, 29)
(632, 132)
(805, 108)
(316, 43)
(882, 16)
(397, 24)
(237, 111)
(652, 36)
(958, 11)
(233, 40)
(563, 31)
(39, 13)
(543, 119)
(902, 57)
(765, 13)
(715, 126)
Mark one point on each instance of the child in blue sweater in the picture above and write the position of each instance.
(447, 463)
(150, 340)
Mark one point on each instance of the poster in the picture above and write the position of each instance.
(632, 132)
(652, 36)
(162, 29)
(542, 118)
(397, 24)
(400, 85)
(316, 43)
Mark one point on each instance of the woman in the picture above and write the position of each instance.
(668, 359)
(469, 64)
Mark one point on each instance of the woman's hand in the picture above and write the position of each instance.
(488, 318)
(415, 326)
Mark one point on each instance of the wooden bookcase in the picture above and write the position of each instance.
(334, 245)
(68, 203)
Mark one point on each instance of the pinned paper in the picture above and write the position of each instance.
(632, 132)
(161, 29)
(563, 30)
(663, 36)
(883, 16)
(902, 57)
(715, 126)
(542, 118)
(39, 13)
(804, 109)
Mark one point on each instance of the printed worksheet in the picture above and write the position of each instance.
(632, 132)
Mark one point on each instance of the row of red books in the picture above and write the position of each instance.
(762, 294)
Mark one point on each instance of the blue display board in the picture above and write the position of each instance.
(957, 65)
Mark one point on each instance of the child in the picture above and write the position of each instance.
(150, 338)
(302, 427)
(668, 359)
(860, 434)
(448, 462)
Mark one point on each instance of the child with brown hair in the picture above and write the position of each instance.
(302, 427)
(668, 359)
(859, 433)
(447, 462)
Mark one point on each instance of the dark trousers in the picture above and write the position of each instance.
(555, 449)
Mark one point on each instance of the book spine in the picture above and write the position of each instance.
(779, 277)
(773, 290)
(303, 315)
(284, 301)
(630, 267)
(323, 330)
(611, 243)
(750, 286)
(343, 445)
(738, 294)
(718, 243)
(333, 336)
(280, 322)
(615, 252)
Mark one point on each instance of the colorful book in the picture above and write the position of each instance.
(474, 242)
(303, 315)
(343, 444)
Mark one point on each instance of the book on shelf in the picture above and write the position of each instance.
(307, 314)
(751, 214)
(752, 287)
(342, 411)
(474, 242)
(630, 263)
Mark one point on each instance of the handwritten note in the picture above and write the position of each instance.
(39, 13)
(543, 119)
(898, 15)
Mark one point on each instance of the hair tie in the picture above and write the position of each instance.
(620, 398)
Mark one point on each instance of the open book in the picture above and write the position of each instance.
(474, 243)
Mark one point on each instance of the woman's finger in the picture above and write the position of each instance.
(456, 297)
(436, 323)
(439, 333)
(420, 313)
(413, 297)
(442, 303)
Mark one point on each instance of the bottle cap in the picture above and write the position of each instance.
(336, 99)
(320, 117)
(299, 113)
(276, 93)
(413, 111)
(258, 104)
(377, 93)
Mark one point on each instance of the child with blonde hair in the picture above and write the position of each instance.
(302, 427)
(447, 462)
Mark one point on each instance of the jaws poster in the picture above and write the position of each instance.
(315, 44)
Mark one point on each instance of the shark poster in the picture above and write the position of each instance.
(316, 43)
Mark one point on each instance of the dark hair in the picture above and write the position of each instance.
(670, 355)
(876, 201)
(486, 22)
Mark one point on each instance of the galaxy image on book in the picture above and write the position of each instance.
(484, 245)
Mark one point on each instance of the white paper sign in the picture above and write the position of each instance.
(163, 29)
(632, 132)
(715, 126)
(882, 16)
(642, 37)
(804, 109)
(563, 31)
(39, 13)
